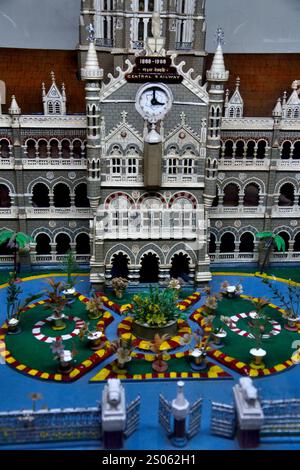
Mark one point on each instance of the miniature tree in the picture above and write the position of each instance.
(16, 241)
(56, 302)
(69, 266)
(159, 365)
(290, 302)
(272, 240)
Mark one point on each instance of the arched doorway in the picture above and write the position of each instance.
(120, 263)
(180, 266)
(247, 243)
(43, 244)
(40, 195)
(62, 243)
(231, 195)
(81, 199)
(212, 243)
(5, 199)
(62, 197)
(251, 197)
(297, 242)
(149, 268)
(227, 243)
(83, 244)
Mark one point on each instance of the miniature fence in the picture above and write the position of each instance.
(281, 418)
(70, 424)
(223, 420)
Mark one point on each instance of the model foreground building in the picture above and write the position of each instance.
(156, 176)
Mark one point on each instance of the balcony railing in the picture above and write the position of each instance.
(54, 163)
(230, 257)
(6, 163)
(288, 164)
(9, 212)
(182, 179)
(54, 258)
(241, 211)
(60, 212)
(184, 46)
(104, 42)
(240, 163)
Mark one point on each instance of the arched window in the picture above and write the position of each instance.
(240, 149)
(227, 243)
(250, 149)
(172, 166)
(251, 198)
(212, 243)
(141, 27)
(247, 243)
(261, 149)
(286, 150)
(43, 246)
(31, 148)
(5, 199)
(42, 149)
(216, 199)
(81, 199)
(296, 113)
(149, 268)
(180, 267)
(6, 250)
(62, 197)
(62, 243)
(54, 149)
(57, 107)
(297, 242)
(296, 151)
(287, 195)
(65, 149)
(228, 149)
(77, 151)
(120, 263)
(40, 195)
(286, 238)
(50, 107)
(231, 195)
(83, 244)
(4, 148)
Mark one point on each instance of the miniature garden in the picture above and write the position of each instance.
(159, 332)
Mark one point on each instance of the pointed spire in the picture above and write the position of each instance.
(92, 71)
(238, 82)
(63, 91)
(284, 98)
(43, 90)
(14, 107)
(217, 71)
(226, 98)
(52, 74)
(277, 111)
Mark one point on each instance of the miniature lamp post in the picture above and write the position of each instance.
(249, 413)
(180, 411)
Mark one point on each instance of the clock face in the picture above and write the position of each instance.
(153, 102)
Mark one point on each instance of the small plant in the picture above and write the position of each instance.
(259, 321)
(56, 301)
(119, 285)
(94, 307)
(291, 302)
(14, 305)
(211, 304)
(69, 266)
(174, 284)
(123, 349)
(159, 365)
(158, 309)
(231, 290)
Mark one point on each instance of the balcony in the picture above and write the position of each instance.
(54, 163)
(9, 212)
(184, 46)
(59, 212)
(53, 258)
(6, 163)
(282, 212)
(238, 211)
(122, 180)
(288, 165)
(175, 180)
(233, 257)
(244, 164)
(104, 42)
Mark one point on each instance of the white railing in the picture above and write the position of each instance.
(247, 163)
(6, 163)
(179, 179)
(288, 164)
(60, 212)
(9, 212)
(125, 179)
(54, 258)
(6, 259)
(241, 211)
(290, 211)
(45, 163)
(229, 257)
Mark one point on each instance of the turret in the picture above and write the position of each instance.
(93, 74)
(216, 77)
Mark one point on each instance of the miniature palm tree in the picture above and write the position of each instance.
(272, 240)
(69, 266)
(16, 241)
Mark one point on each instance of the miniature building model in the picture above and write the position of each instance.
(154, 176)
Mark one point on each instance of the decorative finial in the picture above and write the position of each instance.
(284, 97)
(227, 96)
(220, 36)
(183, 119)
(238, 82)
(91, 30)
(43, 89)
(63, 90)
(295, 85)
(124, 116)
(52, 74)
